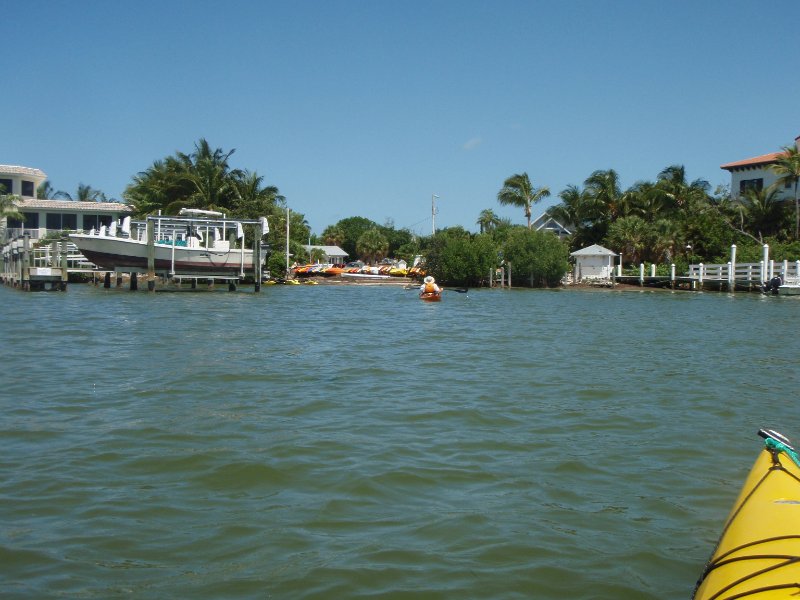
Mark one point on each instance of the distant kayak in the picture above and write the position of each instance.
(758, 553)
(430, 296)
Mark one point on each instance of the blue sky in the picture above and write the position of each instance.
(367, 108)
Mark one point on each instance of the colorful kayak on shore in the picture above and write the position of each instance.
(758, 553)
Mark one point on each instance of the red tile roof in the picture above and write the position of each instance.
(764, 159)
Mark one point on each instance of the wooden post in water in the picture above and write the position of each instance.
(652, 269)
(765, 260)
(700, 275)
(641, 274)
(134, 282)
(151, 256)
(257, 259)
(733, 267)
(672, 275)
(107, 280)
(64, 265)
(509, 275)
(730, 276)
(26, 262)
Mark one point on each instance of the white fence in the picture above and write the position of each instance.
(746, 272)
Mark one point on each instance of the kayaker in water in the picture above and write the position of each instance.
(429, 286)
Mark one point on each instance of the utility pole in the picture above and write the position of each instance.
(433, 214)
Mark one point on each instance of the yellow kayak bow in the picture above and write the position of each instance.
(758, 554)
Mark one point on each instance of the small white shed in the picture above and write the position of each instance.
(594, 262)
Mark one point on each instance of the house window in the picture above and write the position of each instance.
(27, 189)
(95, 221)
(69, 221)
(7, 186)
(54, 221)
(751, 184)
(31, 221)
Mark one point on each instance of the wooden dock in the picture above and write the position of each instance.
(37, 269)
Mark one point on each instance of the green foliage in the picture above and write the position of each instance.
(8, 207)
(749, 251)
(456, 257)
(669, 220)
(372, 246)
(352, 228)
(538, 258)
(276, 264)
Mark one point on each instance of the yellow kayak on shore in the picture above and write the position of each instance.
(758, 553)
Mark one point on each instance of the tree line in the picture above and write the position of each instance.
(668, 220)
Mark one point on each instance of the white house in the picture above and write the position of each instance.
(43, 215)
(756, 173)
(331, 254)
(594, 262)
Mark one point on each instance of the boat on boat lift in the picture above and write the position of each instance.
(196, 242)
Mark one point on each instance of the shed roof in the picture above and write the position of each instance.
(328, 250)
(594, 250)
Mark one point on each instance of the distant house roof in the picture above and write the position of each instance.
(594, 250)
(757, 161)
(764, 159)
(549, 223)
(42, 203)
(332, 251)
(17, 170)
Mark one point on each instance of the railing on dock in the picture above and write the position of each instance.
(746, 273)
(730, 276)
(43, 268)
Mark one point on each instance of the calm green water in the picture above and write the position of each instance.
(353, 442)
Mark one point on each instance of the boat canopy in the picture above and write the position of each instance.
(197, 212)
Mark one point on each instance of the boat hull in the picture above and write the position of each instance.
(125, 253)
(789, 290)
(431, 296)
(758, 554)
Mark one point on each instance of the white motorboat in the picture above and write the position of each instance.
(789, 289)
(196, 242)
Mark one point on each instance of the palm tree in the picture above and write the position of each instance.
(761, 211)
(210, 178)
(518, 191)
(631, 235)
(603, 188)
(487, 220)
(252, 198)
(85, 193)
(787, 167)
(681, 194)
(8, 207)
(333, 235)
(372, 245)
(47, 191)
(8, 210)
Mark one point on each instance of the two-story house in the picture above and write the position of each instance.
(756, 173)
(43, 214)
